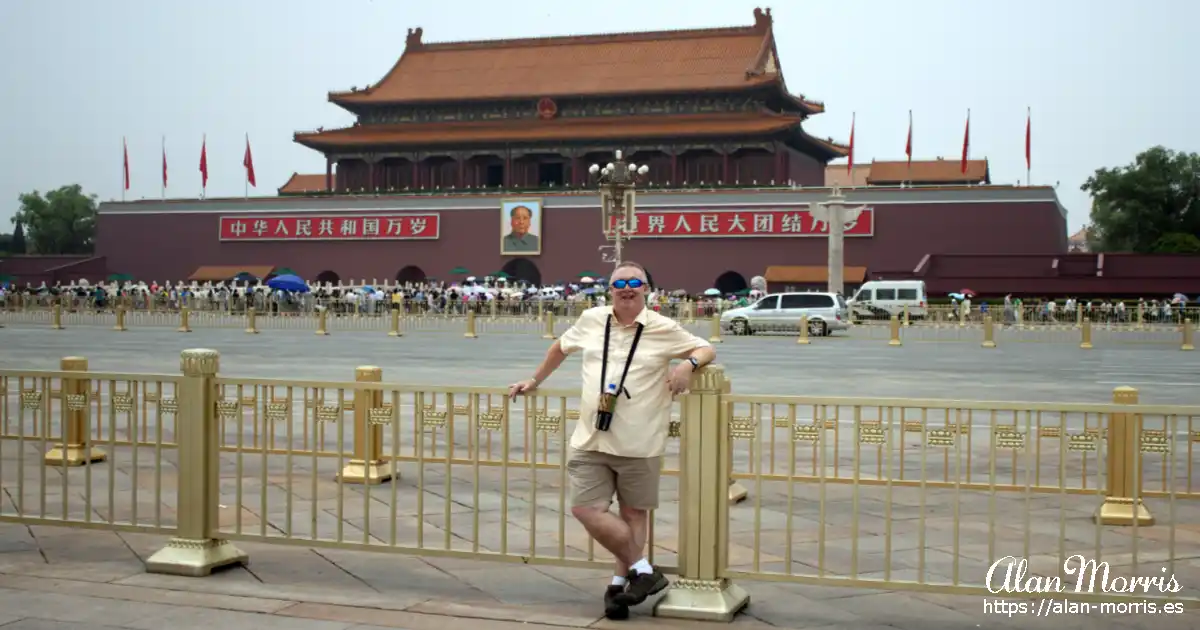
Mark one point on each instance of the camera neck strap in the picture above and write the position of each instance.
(628, 360)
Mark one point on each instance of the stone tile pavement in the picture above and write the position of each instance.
(62, 579)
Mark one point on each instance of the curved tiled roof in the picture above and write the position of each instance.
(599, 128)
(590, 65)
(298, 184)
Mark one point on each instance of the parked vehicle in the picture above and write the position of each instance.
(826, 312)
(880, 299)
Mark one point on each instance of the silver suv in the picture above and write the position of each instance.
(781, 312)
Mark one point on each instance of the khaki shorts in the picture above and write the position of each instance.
(596, 477)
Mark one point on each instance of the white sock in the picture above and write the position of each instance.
(643, 567)
(618, 580)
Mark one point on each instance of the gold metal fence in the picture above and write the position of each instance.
(881, 493)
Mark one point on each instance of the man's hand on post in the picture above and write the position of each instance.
(521, 387)
(679, 378)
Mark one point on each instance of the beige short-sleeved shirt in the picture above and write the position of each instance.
(639, 426)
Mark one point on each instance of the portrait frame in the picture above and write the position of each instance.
(536, 208)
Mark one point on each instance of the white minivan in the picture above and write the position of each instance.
(880, 299)
(783, 312)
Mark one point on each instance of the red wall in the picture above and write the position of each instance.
(170, 246)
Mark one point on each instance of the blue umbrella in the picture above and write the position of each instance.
(288, 283)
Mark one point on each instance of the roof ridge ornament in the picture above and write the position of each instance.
(762, 19)
(413, 41)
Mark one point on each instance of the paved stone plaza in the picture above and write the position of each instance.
(841, 366)
(68, 578)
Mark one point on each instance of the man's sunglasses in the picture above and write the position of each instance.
(632, 283)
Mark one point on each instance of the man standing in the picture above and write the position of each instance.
(625, 409)
(519, 240)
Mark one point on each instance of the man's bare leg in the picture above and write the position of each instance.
(612, 532)
(638, 522)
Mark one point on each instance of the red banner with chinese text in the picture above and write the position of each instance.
(750, 223)
(339, 227)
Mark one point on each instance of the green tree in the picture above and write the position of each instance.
(1152, 205)
(1177, 243)
(18, 246)
(63, 221)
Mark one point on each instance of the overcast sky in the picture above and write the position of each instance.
(1105, 79)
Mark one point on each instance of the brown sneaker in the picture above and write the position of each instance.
(613, 610)
(641, 586)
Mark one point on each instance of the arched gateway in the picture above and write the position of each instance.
(730, 282)
(524, 270)
(411, 273)
(328, 276)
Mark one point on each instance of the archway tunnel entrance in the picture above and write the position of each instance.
(523, 270)
(730, 282)
(410, 273)
(328, 276)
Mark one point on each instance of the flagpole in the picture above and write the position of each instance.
(246, 179)
(124, 162)
(164, 157)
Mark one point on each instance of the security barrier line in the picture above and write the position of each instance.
(909, 494)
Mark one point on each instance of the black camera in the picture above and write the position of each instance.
(603, 420)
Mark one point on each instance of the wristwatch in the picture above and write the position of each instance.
(695, 363)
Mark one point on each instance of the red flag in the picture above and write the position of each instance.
(164, 152)
(966, 142)
(248, 162)
(850, 164)
(1028, 138)
(125, 147)
(204, 163)
(908, 145)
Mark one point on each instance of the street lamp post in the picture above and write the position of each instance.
(618, 199)
(836, 215)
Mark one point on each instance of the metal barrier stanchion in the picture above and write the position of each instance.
(184, 320)
(492, 308)
(367, 467)
(56, 321)
(1141, 316)
(75, 448)
(907, 320)
(705, 453)
(1086, 335)
(895, 332)
(803, 340)
(470, 334)
(395, 331)
(989, 332)
(1079, 315)
(1188, 333)
(1123, 498)
(120, 327)
(962, 315)
(541, 309)
(549, 334)
(251, 325)
(196, 550)
(715, 336)
(322, 323)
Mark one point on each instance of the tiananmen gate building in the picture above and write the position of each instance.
(460, 142)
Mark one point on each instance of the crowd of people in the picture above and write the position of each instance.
(500, 296)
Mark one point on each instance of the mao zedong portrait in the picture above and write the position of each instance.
(523, 218)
